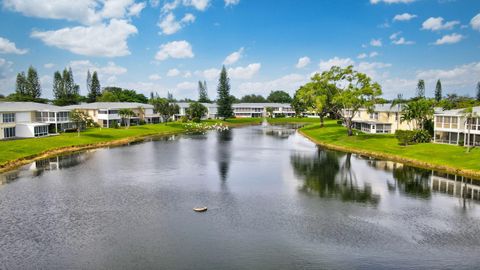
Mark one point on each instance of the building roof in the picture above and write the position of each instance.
(109, 105)
(29, 106)
(259, 105)
(187, 104)
(457, 112)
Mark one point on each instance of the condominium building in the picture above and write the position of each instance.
(106, 114)
(30, 119)
(262, 110)
(452, 127)
(211, 110)
(384, 118)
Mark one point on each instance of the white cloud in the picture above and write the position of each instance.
(244, 72)
(154, 77)
(475, 22)
(187, 74)
(5, 68)
(398, 40)
(210, 74)
(437, 24)
(136, 8)
(376, 42)
(391, 1)
(373, 69)
(449, 39)
(373, 54)
(290, 82)
(197, 4)
(303, 62)
(186, 86)
(458, 77)
(233, 57)
(362, 56)
(404, 17)
(6, 46)
(85, 11)
(98, 40)
(173, 72)
(175, 49)
(336, 61)
(170, 25)
(231, 2)
(49, 65)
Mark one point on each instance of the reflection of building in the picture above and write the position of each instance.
(106, 114)
(456, 185)
(385, 165)
(30, 119)
(384, 118)
(452, 127)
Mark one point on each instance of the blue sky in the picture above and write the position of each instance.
(266, 45)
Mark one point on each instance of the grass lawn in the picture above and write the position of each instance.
(293, 120)
(17, 149)
(235, 121)
(439, 155)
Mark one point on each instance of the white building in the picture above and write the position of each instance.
(30, 119)
(384, 118)
(452, 127)
(211, 110)
(241, 110)
(106, 114)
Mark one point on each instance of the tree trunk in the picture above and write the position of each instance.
(321, 121)
(348, 122)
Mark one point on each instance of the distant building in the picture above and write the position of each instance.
(106, 114)
(451, 127)
(241, 110)
(211, 110)
(384, 119)
(30, 119)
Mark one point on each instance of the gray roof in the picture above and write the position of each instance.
(109, 105)
(187, 104)
(457, 112)
(387, 107)
(259, 105)
(29, 106)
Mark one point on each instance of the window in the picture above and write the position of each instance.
(374, 115)
(8, 117)
(9, 132)
(102, 111)
(40, 131)
(396, 116)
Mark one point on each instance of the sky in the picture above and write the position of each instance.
(169, 45)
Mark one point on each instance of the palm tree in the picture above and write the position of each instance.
(469, 115)
(126, 114)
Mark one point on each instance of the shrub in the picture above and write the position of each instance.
(280, 115)
(142, 122)
(422, 136)
(184, 119)
(339, 122)
(406, 137)
(196, 119)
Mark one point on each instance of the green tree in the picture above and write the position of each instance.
(79, 118)
(89, 81)
(123, 95)
(126, 115)
(94, 88)
(196, 111)
(355, 90)
(34, 89)
(58, 88)
(253, 99)
(470, 117)
(279, 96)
(203, 92)
(318, 94)
(165, 108)
(21, 85)
(269, 111)
(108, 97)
(298, 105)
(438, 91)
(418, 111)
(421, 88)
(224, 100)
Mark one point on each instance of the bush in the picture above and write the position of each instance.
(196, 119)
(184, 119)
(406, 137)
(339, 122)
(280, 115)
(142, 122)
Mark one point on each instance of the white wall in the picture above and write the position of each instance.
(23, 117)
(25, 131)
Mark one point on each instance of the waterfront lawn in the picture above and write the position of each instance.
(435, 154)
(235, 121)
(22, 148)
(293, 120)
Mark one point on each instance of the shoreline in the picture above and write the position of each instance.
(407, 161)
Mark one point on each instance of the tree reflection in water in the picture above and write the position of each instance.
(329, 174)
(223, 152)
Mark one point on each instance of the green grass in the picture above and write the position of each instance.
(236, 121)
(431, 153)
(17, 149)
(293, 120)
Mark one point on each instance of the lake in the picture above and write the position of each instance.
(275, 201)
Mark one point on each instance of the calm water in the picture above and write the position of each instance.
(275, 202)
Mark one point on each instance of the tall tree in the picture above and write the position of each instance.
(418, 111)
(126, 115)
(478, 91)
(21, 85)
(94, 88)
(203, 92)
(224, 100)
(438, 91)
(34, 89)
(196, 111)
(279, 96)
(421, 88)
(165, 108)
(355, 90)
(89, 81)
(58, 88)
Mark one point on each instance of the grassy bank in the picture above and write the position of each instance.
(448, 158)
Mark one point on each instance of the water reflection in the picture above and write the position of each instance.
(223, 152)
(329, 174)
